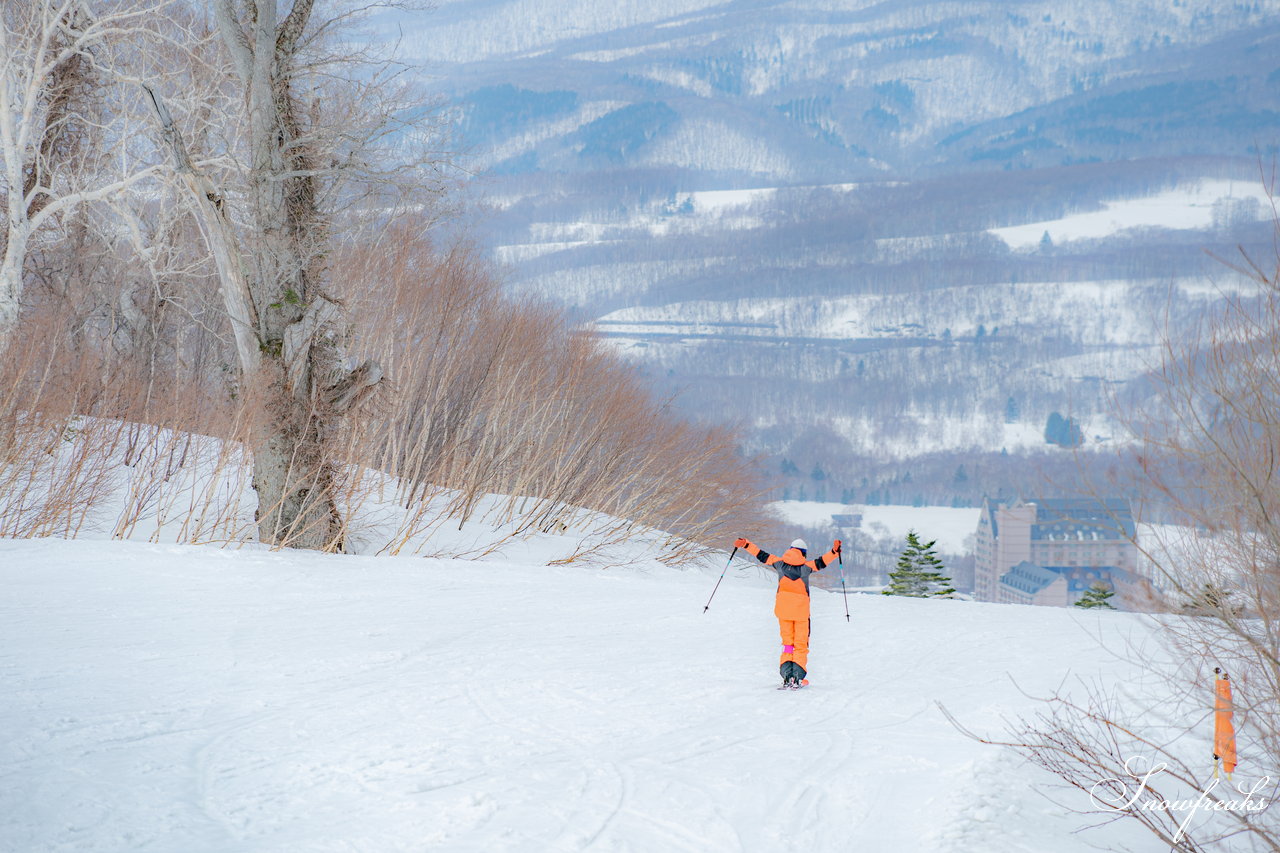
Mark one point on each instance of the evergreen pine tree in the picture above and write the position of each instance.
(1064, 432)
(1012, 411)
(1097, 596)
(1075, 435)
(1053, 428)
(919, 573)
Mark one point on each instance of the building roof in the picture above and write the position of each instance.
(989, 507)
(1080, 578)
(1061, 519)
(1028, 578)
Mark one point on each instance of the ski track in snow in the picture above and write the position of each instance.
(164, 698)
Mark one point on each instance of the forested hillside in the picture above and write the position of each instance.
(891, 238)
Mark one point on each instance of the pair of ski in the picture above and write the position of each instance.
(794, 685)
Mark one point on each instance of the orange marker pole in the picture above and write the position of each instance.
(1224, 730)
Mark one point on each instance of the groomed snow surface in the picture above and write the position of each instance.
(181, 698)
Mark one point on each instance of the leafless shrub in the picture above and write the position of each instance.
(1119, 758)
(53, 461)
(492, 396)
(107, 429)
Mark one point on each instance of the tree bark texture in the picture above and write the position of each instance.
(301, 382)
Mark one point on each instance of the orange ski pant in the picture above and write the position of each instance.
(795, 641)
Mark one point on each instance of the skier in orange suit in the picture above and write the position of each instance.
(792, 603)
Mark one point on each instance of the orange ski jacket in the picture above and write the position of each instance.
(793, 570)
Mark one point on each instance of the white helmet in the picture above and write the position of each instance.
(799, 543)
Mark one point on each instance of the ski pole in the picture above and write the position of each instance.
(844, 593)
(726, 568)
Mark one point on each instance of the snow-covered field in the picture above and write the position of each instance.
(949, 526)
(179, 698)
(1191, 206)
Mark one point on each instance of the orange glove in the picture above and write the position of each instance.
(740, 543)
(836, 547)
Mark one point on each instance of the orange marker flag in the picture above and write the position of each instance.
(1224, 731)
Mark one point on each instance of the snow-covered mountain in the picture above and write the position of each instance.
(870, 230)
(800, 90)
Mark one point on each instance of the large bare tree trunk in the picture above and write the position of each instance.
(301, 382)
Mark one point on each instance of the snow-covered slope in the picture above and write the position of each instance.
(171, 698)
(141, 483)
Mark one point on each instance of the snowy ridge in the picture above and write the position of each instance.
(711, 145)
(867, 82)
(163, 698)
